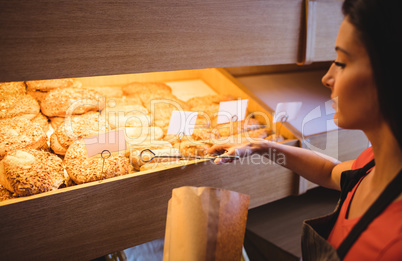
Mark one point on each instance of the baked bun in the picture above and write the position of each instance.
(193, 148)
(233, 128)
(203, 102)
(75, 100)
(12, 89)
(74, 128)
(27, 172)
(137, 160)
(20, 133)
(55, 122)
(48, 85)
(108, 91)
(138, 135)
(126, 115)
(135, 88)
(42, 121)
(83, 169)
(134, 151)
(39, 89)
(16, 106)
(5, 194)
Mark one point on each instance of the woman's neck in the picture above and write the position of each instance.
(387, 154)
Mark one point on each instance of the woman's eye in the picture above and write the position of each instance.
(341, 65)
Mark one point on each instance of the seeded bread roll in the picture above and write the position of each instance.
(55, 122)
(74, 128)
(12, 89)
(20, 133)
(233, 128)
(137, 161)
(108, 91)
(135, 88)
(71, 101)
(193, 148)
(15, 106)
(126, 115)
(27, 172)
(42, 121)
(39, 89)
(48, 85)
(5, 194)
(83, 169)
(202, 102)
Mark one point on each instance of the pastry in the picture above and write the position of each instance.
(83, 169)
(160, 148)
(126, 115)
(39, 89)
(135, 88)
(108, 91)
(55, 122)
(20, 133)
(22, 105)
(12, 89)
(193, 148)
(5, 194)
(203, 102)
(80, 126)
(140, 135)
(42, 121)
(26, 172)
(71, 101)
(233, 128)
(48, 85)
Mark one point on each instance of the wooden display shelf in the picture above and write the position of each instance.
(90, 220)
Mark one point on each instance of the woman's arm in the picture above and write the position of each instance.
(318, 168)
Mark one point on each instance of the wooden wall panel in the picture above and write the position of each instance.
(54, 39)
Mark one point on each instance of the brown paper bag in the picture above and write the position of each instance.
(205, 224)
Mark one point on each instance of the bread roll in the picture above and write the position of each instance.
(193, 148)
(135, 88)
(20, 133)
(108, 91)
(233, 128)
(42, 121)
(5, 194)
(48, 85)
(138, 135)
(80, 126)
(26, 172)
(12, 89)
(83, 169)
(125, 115)
(159, 148)
(75, 100)
(16, 106)
(203, 102)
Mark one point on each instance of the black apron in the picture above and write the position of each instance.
(316, 231)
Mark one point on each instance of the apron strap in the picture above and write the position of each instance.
(391, 192)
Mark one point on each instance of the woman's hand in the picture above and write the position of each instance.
(241, 150)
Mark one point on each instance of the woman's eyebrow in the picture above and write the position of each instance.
(337, 48)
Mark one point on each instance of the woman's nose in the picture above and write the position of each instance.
(328, 79)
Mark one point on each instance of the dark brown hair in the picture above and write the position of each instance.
(379, 23)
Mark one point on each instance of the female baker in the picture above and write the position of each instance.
(365, 81)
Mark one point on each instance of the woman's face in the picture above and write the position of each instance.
(351, 81)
